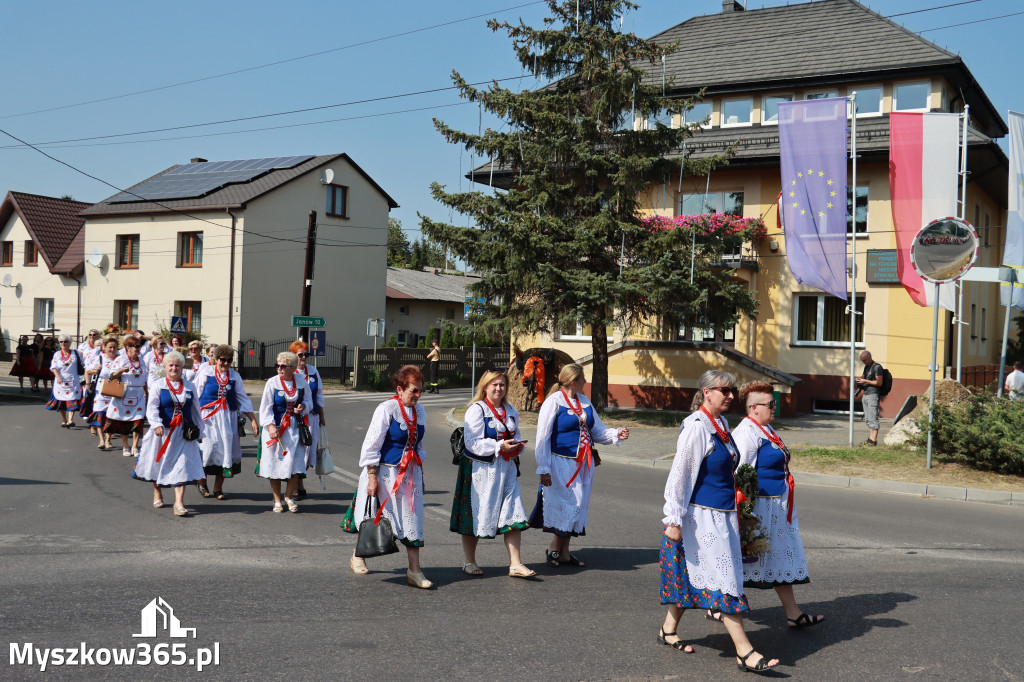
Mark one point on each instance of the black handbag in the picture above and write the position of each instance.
(374, 539)
(190, 431)
(305, 435)
(241, 426)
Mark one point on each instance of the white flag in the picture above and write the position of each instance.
(1013, 254)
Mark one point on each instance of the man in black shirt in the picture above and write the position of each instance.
(871, 384)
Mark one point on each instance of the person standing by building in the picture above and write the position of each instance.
(1014, 385)
(433, 365)
(871, 383)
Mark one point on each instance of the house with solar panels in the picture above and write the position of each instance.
(222, 244)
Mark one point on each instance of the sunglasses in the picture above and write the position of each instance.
(284, 366)
(93, 334)
(414, 390)
(726, 390)
(228, 361)
(770, 404)
(302, 355)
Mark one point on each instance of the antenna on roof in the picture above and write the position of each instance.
(7, 281)
(95, 258)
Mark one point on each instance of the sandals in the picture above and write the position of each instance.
(804, 621)
(520, 571)
(292, 507)
(203, 490)
(135, 452)
(472, 569)
(358, 565)
(714, 615)
(219, 494)
(418, 580)
(181, 511)
(125, 452)
(573, 561)
(678, 645)
(762, 665)
(554, 560)
(278, 509)
(157, 504)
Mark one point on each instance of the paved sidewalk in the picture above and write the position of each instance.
(652, 446)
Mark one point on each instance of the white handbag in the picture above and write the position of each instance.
(324, 465)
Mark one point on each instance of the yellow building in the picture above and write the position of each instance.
(749, 61)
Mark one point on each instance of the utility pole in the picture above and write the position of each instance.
(307, 280)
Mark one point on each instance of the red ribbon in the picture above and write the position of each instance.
(410, 456)
(175, 421)
(286, 420)
(740, 497)
(585, 455)
(222, 402)
(506, 432)
(790, 482)
(792, 485)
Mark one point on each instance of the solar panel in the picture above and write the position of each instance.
(194, 180)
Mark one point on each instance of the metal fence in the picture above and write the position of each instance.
(256, 360)
(456, 364)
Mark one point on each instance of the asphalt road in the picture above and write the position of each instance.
(912, 588)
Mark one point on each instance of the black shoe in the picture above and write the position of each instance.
(300, 495)
(871, 443)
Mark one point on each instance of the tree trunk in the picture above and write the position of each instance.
(599, 371)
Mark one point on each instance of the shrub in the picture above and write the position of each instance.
(983, 433)
(392, 342)
(378, 379)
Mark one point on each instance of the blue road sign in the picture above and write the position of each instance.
(318, 342)
(179, 325)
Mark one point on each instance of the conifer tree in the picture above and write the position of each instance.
(565, 239)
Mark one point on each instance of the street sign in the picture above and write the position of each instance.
(375, 327)
(179, 325)
(318, 342)
(308, 321)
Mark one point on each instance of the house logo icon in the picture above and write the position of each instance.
(158, 616)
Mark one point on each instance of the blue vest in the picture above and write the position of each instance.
(395, 440)
(168, 403)
(771, 470)
(213, 392)
(312, 380)
(281, 404)
(716, 484)
(565, 432)
(490, 432)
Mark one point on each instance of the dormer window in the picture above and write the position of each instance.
(737, 112)
(869, 100)
(911, 96)
(700, 113)
(770, 108)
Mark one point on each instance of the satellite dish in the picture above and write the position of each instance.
(95, 258)
(944, 250)
(7, 280)
(327, 176)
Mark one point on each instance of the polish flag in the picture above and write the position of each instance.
(924, 174)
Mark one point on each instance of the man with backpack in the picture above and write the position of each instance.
(871, 384)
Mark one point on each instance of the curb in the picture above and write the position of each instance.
(939, 492)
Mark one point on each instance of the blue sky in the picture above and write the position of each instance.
(65, 53)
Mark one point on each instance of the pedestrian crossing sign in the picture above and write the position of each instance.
(178, 325)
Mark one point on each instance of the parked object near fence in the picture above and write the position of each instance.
(455, 365)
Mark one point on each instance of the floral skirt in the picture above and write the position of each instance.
(464, 523)
(117, 427)
(62, 405)
(676, 588)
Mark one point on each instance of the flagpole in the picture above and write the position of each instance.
(961, 215)
(1006, 329)
(853, 269)
(931, 390)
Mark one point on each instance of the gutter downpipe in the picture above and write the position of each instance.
(231, 280)
(78, 312)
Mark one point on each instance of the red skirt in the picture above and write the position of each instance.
(24, 367)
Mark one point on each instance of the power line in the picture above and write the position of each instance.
(930, 9)
(976, 21)
(276, 63)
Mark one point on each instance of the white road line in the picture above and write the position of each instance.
(353, 479)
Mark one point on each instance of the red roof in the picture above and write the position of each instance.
(54, 225)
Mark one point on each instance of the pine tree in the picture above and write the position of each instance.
(576, 169)
(399, 250)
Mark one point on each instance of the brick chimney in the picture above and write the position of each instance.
(731, 6)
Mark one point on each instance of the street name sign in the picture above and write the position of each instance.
(308, 321)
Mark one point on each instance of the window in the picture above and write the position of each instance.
(869, 101)
(7, 257)
(662, 117)
(126, 314)
(403, 337)
(911, 97)
(737, 112)
(574, 330)
(127, 252)
(730, 203)
(770, 108)
(337, 201)
(984, 320)
(190, 249)
(698, 114)
(696, 333)
(822, 320)
(449, 313)
(403, 310)
(974, 319)
(824, 94)
(192, 311)
(862, 211)
(44, 314)
(32, 253)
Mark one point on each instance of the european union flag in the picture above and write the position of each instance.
(812, 143)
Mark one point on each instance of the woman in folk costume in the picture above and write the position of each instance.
(222, 398)
(90, 350)
(125, 414)
(285, 404)
(167, 458)
(487, 499)
(784, 565)
(701, 564)
(316, 391)
(101, 368)
(567, 428)
(392, 460)
(154, 359)
(195, 360)
(67, 382)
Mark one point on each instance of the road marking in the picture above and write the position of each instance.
(352, 478)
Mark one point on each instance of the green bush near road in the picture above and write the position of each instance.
(985, 433)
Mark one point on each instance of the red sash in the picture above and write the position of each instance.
(175, 421)
(286, 420)
(585, 454)
(220, 403)
(410, 457)
(790, 482)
